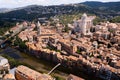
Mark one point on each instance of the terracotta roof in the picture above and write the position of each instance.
(73, 77)
(118, 64)
(27, 71)
(73, 58)
(9, 77)
(33, 74)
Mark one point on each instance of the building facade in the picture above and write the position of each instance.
(4, 66)
(25, 73)
(84, 24)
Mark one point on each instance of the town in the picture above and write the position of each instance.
(93, 49)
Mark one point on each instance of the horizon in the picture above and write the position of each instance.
(21, 3)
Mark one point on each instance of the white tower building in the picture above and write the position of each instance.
(84, 24)
(38, 28)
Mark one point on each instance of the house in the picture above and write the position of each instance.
(9, 77)
(25, 73)
(4, 65)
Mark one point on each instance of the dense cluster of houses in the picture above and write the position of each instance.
(92, 49)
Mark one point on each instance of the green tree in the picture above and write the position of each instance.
(115, 19)
(66, 29)
(97, 20)
(20, 43)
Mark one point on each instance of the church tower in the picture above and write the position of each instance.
(84, 23)
(38, 28)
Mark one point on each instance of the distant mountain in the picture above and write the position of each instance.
(104, 10)
(3, 10)
(35, 11)
(107, 7)
(95, 4)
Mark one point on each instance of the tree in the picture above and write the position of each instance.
(78, 51)
(96, 21)
(20, 43)
(115, 19)
(66, 29)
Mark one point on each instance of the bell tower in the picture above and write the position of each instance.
(38, 28)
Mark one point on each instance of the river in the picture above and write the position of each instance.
(41, 65)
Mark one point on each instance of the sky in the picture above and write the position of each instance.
(21, 3)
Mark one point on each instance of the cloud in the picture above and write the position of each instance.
(20, 3)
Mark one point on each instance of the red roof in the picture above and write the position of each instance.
(73, 77)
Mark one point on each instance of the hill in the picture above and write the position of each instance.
(32, 12)
(112, 8)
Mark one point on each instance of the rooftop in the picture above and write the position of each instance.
(73, 77)
(3, 60)
(9, 77)
(33, 74)
(29, 72)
